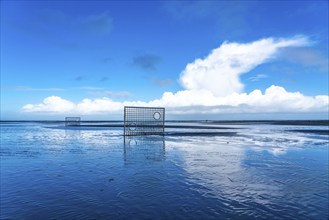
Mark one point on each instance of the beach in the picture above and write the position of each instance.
(196, 170)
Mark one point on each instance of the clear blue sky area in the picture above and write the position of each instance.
(137, 50)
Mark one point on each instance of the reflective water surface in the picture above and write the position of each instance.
(233, 171)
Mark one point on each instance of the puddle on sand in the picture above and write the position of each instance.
(261, 172)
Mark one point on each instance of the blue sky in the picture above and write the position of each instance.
(199, 59)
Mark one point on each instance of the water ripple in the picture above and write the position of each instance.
(262, 172)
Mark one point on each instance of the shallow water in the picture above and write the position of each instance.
(260, 171)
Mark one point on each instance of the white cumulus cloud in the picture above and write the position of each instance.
(51, 104)
(212, 86)
(219, 72)
(274, 99)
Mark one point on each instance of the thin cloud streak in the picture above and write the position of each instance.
(257, 78)
(120, 94)
(146, 61)
(307, 57)
(98, 24)
(104, 79)
(27, 88)
(79, 78)
(162, 82)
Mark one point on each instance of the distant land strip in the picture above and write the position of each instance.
(207, 122)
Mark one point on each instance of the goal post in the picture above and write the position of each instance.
(144, 120)
(72, 121)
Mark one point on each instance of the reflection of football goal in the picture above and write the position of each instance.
(72, 121)
(144, 120)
